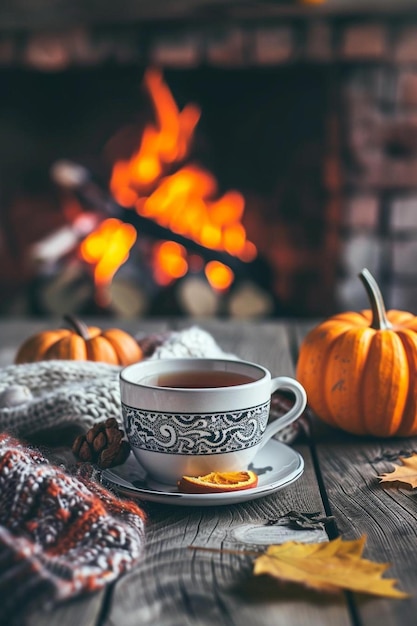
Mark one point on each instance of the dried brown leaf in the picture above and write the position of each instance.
(405, 473)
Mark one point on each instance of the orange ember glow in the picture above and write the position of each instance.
(219, 275)
(107, 248)
(161, 184)
(169, 262)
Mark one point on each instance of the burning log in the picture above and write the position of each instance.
(91, 193)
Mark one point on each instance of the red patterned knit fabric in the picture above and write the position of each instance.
(60, 535)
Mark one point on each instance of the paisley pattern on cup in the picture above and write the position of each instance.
(197, 433)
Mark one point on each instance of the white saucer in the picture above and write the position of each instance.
(276, 464)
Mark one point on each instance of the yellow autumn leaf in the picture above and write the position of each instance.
(405, 473)
(327, 566)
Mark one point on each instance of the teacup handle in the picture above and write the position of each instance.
(287, 384)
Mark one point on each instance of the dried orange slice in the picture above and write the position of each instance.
(218, 482)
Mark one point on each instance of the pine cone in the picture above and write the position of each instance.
(103, 444)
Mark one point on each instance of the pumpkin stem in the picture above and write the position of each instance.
(79, 326)
(379, 314)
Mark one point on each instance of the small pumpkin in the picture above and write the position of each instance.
(360, 368)
(81, 343)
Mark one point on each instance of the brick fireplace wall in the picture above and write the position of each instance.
(369, 169)
(380, 165)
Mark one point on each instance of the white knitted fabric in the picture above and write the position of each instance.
(35, 397)
(193, 342)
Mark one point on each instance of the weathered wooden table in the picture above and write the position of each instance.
(176, 586)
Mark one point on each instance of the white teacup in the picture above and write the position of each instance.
(194, 416)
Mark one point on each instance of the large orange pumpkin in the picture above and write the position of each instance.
(81, 343)
(360, 369)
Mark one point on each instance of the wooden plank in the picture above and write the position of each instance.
(174, 585)
(387, 515)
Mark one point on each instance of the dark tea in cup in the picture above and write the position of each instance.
(202, 379)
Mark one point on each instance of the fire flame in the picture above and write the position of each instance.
(183, 197)
(107, 248)
(164, 142)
